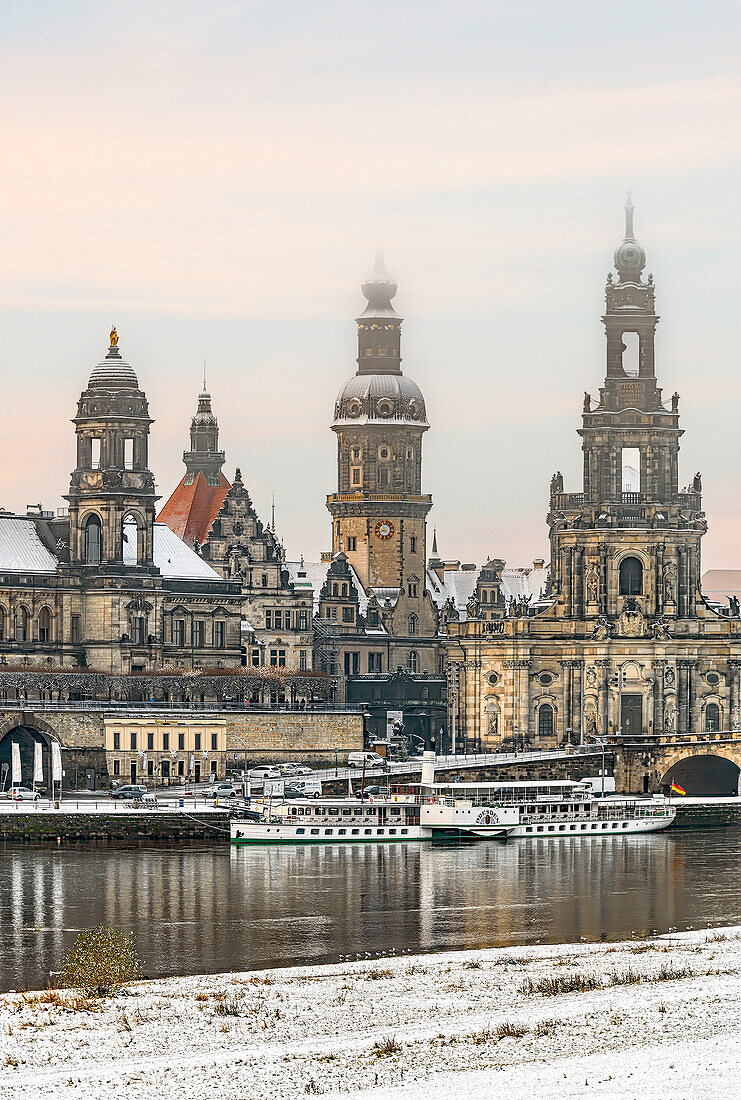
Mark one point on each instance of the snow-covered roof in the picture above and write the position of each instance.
(21, 549)
(173, 558)
(459, 583)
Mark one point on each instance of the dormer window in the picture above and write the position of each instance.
(354, 408)
(385, 408)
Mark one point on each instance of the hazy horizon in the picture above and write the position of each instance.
(213, 179)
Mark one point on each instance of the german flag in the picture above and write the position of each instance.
(676, 789)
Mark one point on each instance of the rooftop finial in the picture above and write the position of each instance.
(113, 337)
(204, 375)
(379, 288)
(272, 515)
(434, 542)
(629, 208)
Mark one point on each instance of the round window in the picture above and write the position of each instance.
(493, 678)
(414, 408)
(545, 679)
(354, 408)
(383, 452)
(713, 678)
(385, 408)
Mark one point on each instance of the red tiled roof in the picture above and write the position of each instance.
(192, 509)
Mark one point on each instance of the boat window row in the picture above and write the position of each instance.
(301, 831)
(344, 811)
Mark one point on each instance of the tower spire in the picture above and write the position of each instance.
(204, 375)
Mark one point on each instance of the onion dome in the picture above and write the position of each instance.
(380, 398)
(204, 413)
(630, 258)
(379, 393)
(113, 372)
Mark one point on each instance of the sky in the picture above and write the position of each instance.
(213, 178)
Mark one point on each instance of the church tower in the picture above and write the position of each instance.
(628, 544)
(379, 511)
(112, 484)
(204, 454)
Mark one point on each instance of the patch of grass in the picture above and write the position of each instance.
(562, 983)
(384, 1048)
(229, 1006)
(505, 1030)
(546, 1027)
(667, 972)
(472, 964)
(375, 973)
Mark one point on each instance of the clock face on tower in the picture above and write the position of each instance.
(384, 529)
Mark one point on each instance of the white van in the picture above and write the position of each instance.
(598, 784)
(365, 759)
(311, 788)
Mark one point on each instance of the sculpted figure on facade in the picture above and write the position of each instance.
(670, 715)
(593, 586)
(669, 585)
(603, 629)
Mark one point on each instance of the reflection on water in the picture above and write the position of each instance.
(210, 909)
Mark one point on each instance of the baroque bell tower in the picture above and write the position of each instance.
(628, 544)
(379, 511)
(112, 488)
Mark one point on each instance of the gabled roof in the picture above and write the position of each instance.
(192, 509)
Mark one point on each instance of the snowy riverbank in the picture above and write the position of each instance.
(652, 1019)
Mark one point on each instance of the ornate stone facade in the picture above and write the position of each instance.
(624, 641)
(104, 586)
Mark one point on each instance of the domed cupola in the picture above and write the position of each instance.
(379, 393)
(113, 372)
(630, 258)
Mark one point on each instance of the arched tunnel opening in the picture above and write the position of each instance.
(704, 775)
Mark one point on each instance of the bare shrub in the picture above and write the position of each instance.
(100, 961)
(472, 964)
(385, 1047)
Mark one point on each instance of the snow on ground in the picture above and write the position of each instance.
(662, 1022)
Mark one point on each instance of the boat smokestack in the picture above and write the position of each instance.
(428, 768)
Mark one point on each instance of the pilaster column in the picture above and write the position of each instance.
(603, 671)
(734, 717)
(658, 697)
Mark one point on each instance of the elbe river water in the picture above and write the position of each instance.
(211, 908)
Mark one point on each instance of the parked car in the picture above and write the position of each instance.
(288, 768)
(380, 792)
(130, 790)
(365, 759)
(291, 791)
(23, 794)
(221, 790)
(264, 772)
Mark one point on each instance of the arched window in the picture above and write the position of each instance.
(45, 625)
(22, 620)
(412, 660)
(412, 624)
(92, 540)
(335, 590)
(631, 577)
(712, 718)
(344, 590)
(545, 721)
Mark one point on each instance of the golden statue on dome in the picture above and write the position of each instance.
(114, 337)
